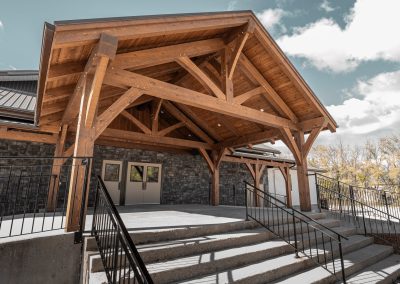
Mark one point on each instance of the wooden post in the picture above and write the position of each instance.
(88, 95)
(302, 174)
(213, 163)
(288, 185)
(56, 169)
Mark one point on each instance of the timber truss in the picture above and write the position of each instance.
(208, 93)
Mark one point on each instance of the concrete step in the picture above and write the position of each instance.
(202, 264)
(154, 235)
(273, 268)
(385, 271)
(204, 244)
(353, 262)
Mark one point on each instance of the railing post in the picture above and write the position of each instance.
(340, 197)
(295, 235)
(363, 217)
(116, 266)
(96, 200)
(341, 259)
(351, 189)
(318, 193)
(386, 205)
(245, 201)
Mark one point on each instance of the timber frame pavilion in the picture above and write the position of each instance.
(208, 82)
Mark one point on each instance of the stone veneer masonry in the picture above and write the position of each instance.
(185, 177)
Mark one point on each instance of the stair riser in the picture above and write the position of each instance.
(356, 267)
(197, 270)
(303, 265)
(176, 234)
(192, 249)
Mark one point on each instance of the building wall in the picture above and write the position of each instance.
(277, 185)
(185, 177)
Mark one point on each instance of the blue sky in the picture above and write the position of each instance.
(348, 51)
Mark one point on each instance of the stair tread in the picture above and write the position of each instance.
(213, 237)
(223, 254)
(320, 275)
(387, 269)
(201, 239)
(271, 265)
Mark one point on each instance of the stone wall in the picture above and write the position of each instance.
(185, 177)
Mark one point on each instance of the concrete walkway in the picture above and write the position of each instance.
(135, 217)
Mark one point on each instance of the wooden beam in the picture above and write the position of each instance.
(171, 128)
(269, 163)
(302, 175)
(155, 115)
(160, 55)
(196, 72)
(208, 160)
(310, 141)
(148, 138)
(251, 170)
(189, 124)
(115, 109)
(272, 96)
(136, 121)
(287, 138)
(227, 84)
(307, 125)
(135, 29)
(28, 136)
(240, 99)
(106, 48)
(178, 94)
(240, 42)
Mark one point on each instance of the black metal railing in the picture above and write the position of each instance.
(34, 193)
(121, 260)
(345, 203)
(384, 197)
(306, 235)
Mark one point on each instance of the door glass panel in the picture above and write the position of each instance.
(111, 172)
(152, 174)
(136, 174)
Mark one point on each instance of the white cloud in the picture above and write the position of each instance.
(370, 34)
(1, 25)
(232, 5)
(271, 19)
(376, 110)
(326, 6)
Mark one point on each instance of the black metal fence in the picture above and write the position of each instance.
(307, 236)
(370, 214)
(121, 260)
(384, 198)
(34, 193)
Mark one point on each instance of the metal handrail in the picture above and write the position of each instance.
(361, 203)
(107, 224)
(298, 212)
(282, 230)
(377, 223)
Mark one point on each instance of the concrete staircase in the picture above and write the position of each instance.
(243, 252)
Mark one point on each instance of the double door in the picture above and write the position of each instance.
(142, 184)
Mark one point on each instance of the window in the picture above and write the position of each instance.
(111, 172)
(152, 174)
(136, 174)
